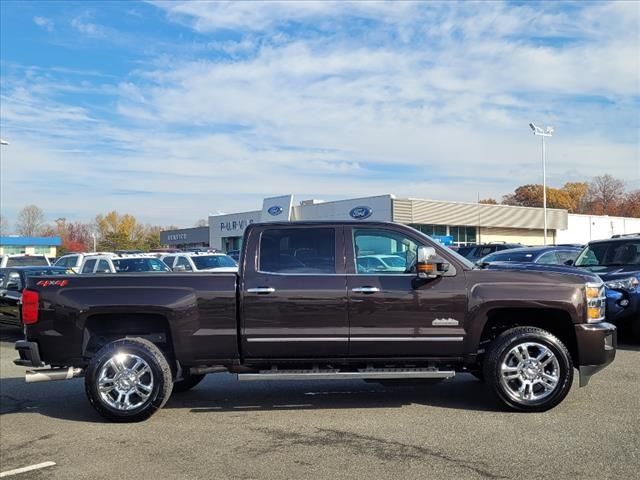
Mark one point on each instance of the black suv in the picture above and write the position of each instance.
(476, 252)
(617, 262)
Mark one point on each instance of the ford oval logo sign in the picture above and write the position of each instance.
(275, 210)
(360, 213)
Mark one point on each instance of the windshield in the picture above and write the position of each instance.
(27, 261)
(508, 256)
(610, 254)
(204, 262)
(127, 265)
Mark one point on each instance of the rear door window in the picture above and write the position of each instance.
(298, 250)
(103, 267)
(183, 262)
(88, 266)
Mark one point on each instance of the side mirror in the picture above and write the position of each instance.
(569, 262)
(179, 268)
(13, 286)
(429, 264)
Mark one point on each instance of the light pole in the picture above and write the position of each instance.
(2, 142)
(548, 132)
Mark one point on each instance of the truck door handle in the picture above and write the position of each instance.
(366, 290)
(261, 290)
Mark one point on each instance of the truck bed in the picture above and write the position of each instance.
(197, 311)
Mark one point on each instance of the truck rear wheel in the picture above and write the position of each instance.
(128, 380)
(529, 369)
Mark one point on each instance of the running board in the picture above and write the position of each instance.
(373, 373)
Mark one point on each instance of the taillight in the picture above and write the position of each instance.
(30, 300)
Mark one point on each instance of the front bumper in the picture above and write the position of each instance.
(596, 343)
(623, 306)
(29, 354)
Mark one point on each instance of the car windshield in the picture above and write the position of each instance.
(126, 265)
(507, 256)
(204, 262)
(606, 254)
(27, 261)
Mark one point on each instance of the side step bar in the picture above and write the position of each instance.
(49, 374)
(372, 373)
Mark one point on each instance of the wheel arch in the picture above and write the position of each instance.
(103, 328)
(556, 321)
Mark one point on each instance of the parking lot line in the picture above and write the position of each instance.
(30, 468)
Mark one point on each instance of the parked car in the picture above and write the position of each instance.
(12, 282)
(74, 260)
(200, 262)
(474, 253)
(23, 260)
(381, 263)
(617, 262)
(550, 255)
(235, 254)
(136, 339)
(122, 264)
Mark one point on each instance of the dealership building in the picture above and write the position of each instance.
(452, 223)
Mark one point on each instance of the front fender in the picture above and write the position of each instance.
(487, 298)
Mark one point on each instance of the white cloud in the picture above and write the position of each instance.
(44, 22)
(442, 92)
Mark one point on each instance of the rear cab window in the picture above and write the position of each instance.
(27, 261)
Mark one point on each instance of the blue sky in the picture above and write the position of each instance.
(174, 110)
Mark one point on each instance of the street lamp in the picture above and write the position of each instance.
(543, 133)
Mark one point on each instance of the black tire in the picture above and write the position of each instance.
(502, 347)
(158, 377)
(189, 380)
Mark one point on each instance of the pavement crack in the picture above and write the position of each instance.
(384, 450)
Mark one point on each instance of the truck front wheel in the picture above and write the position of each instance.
(529, 369)
(128, 380)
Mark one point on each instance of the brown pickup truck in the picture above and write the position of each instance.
(356, 300)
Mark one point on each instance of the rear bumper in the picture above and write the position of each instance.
(29, 354)
(596, 344)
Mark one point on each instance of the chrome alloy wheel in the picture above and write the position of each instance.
(530, 372)
(125, 381)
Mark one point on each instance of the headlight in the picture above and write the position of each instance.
(596, 302)
(628, 283)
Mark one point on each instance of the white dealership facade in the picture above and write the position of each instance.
(457, 223)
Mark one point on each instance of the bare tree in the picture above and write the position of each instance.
(30, 221)
(4, 226)
(606, 194)
(203, 222)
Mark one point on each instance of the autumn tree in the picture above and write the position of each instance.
(631, 204)
(118, 232)
(488, 201)
(577, 192)
(30, 221)
(605, 195)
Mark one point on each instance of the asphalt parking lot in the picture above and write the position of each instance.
(308, 430)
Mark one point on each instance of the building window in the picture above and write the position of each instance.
(41, 250)
(439, 230)
(462, 235)
(13, 250)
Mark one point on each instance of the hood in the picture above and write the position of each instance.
(539, 267)
(614, 271)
